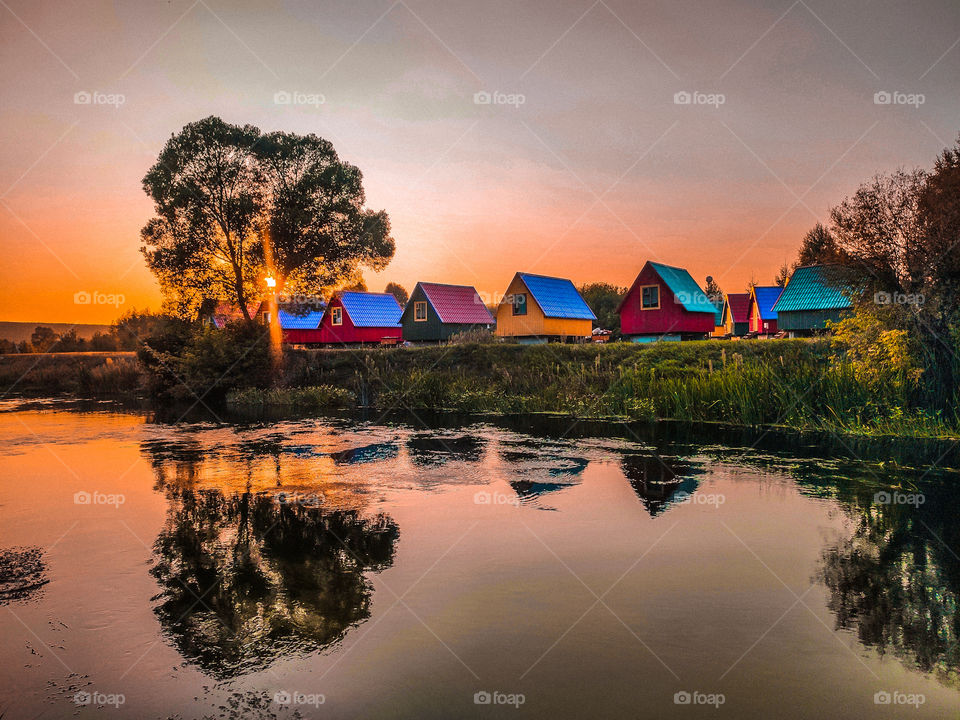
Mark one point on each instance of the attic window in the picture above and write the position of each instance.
(650, 297)
(519, 304)
(420, 311)
(337, 315)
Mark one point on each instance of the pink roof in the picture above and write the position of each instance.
(739, 304)
(457, 304)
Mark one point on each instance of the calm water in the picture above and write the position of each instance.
(350, 568)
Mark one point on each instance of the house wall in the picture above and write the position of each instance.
(348, 332)
(757, 325)
(424, 331)
(671, 317)
(303, 337)
(808, 319)
(534, 323)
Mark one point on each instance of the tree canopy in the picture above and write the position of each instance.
(234, 206)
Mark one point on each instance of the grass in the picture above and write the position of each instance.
(91, 375)
(321, 396)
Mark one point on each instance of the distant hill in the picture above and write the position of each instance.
(17, 331)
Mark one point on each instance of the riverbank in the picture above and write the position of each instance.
(792, 384)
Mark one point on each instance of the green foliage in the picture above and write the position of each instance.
(317, 397)
(603, 299)
(398, 291)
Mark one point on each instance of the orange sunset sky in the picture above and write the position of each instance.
(597, 169)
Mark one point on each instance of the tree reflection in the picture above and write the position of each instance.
(896, 581)
(246, 580)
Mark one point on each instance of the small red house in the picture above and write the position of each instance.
(736, 313)
(665, 303)
(361, 317)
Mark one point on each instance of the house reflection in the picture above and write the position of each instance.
(540, 473)
(658, 482)
(366, 454)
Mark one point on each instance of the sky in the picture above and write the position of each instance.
(577, 139)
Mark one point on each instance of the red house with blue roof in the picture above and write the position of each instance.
(665, 303)
(763, 318)
(300, 327)
(436, 311)
(361, 317)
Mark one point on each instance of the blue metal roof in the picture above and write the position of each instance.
(557, 297)
(372, 309)
(684, 288)
(293, 321)
(766, 299)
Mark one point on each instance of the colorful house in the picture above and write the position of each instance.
(665, 303)
(218, 315)
(537, 308)
(736, 313)
(361, 317)
(814, 295)
(763, 319)
(436, 311)
(300, 327)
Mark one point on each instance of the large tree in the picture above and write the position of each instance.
(234, 206)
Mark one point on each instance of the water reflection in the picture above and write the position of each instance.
(245, 579)
(896, 581)
(432, 449)
(659, 482)
(366, 454)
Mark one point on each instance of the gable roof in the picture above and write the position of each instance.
(557, 297)
(767, 296)
(456, 303)
(685, 290)
(721, 308)
(371, 309)
(295, 321)
(738, 305)
(814, 287)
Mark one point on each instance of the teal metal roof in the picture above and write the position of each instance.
(814, 287)
(557, 297)
(684, 288)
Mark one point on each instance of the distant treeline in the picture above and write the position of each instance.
(125, 334)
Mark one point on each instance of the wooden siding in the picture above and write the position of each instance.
(534, 324)
(431, 329)
(801, 320)
(350, 333)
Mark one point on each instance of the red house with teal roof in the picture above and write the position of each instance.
(665, 303)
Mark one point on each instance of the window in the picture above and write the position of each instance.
(337, 315)
(650, 297)
(520, 304)
(420, 311)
